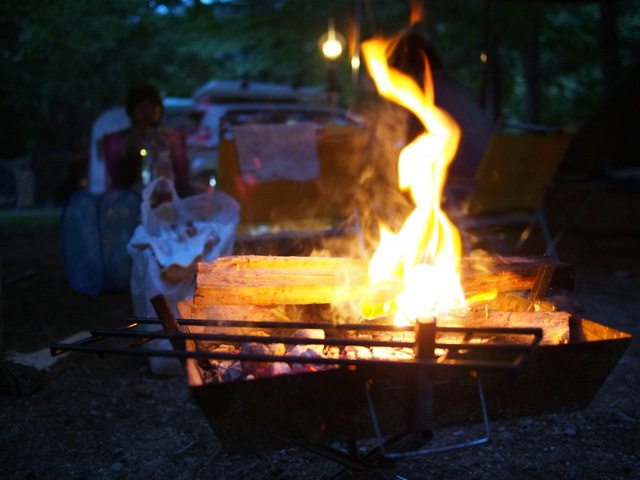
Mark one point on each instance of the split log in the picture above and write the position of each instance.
(267, 280)
(274, 280)
(510, 274)
(255, 313)
(555, 325)
(189, 309)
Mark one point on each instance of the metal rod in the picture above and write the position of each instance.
(425, 451)
(459, 356)
(423, 399)
(435, 365)
(60, 348)
(350, 326)
(350, 461)
(220, 337)
(369, 326)
(375, 458)
(425, 339)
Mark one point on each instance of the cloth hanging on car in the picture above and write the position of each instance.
(270, 152)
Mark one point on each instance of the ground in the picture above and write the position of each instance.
(111, 418)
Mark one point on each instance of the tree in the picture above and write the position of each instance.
(64, 61)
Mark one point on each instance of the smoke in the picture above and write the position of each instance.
(367, 189)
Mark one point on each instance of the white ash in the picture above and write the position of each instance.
(233, 373)
(314, 333)
(305, 352)
(353, 352)
(281, 368)
(235, 370)
(257, 368)
(254, 348)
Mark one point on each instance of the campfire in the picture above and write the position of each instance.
(309, 297)
(307, 351)
(422, 259)
(413, 278)
(512, 356)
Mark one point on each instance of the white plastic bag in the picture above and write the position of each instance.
(176, 234)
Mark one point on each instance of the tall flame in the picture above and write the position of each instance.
(422, 260)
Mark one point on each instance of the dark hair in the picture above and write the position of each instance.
(410, 53)
(141, 93)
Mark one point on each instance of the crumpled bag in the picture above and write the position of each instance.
(174, 235)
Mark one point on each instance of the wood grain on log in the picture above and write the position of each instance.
(554, 325)
(267, 280)
(509, 274)
(275, 280)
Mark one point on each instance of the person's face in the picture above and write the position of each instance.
(147, 113)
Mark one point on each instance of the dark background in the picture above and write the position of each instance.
(62, 62)
(65, 61)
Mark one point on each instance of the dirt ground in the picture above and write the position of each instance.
(110, 418)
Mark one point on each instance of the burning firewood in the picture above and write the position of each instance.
(509, 274)
(295, 289)
(265, 281)
(554, 325)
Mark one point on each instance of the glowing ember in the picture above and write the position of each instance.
(415, 273)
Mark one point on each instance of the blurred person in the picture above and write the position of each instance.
(475, 124)
(147, 150)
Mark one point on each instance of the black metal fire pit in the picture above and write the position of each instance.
(397, 402)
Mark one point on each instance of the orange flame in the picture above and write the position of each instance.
(415, 274)
(416, 8)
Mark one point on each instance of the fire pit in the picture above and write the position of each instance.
(288, 351)
(455, 375)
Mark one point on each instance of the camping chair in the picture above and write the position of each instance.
(509, 187)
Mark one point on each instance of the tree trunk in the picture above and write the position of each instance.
(532, 74)
(609, 45)
(491, 87)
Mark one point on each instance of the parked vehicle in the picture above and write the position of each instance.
(200, 117)
(218, 97)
